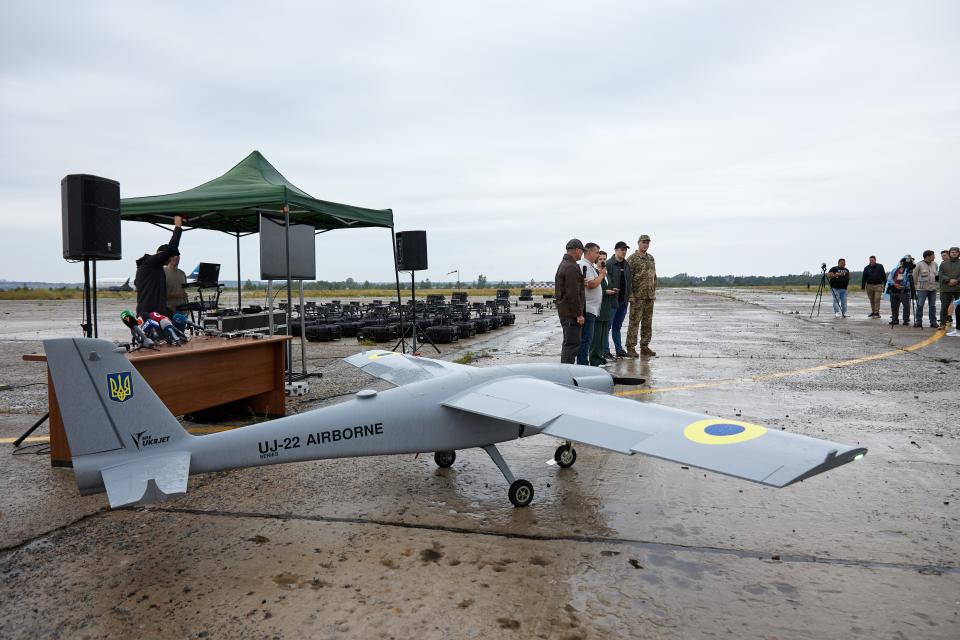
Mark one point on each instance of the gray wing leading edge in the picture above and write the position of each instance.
(731, 447)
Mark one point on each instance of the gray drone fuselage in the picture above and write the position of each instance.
(402, 420)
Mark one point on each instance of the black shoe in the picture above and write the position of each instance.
(935, 326)
(608, 356)
(894, 323)
(623, 354)
(917, 325)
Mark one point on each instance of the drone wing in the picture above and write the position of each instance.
(731, 447)
(400, 369)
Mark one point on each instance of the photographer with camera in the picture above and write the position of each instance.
(601, 327)
(839, 280)
(901, 291)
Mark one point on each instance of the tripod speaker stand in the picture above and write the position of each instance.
(416, 328)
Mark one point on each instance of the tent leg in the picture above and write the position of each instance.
(239, 283)
(270, 305)
(396, 274)
(303, 333)
(289, 347)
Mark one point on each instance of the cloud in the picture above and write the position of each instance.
(744, 136)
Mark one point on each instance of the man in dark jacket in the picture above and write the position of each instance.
(873, 280)
(949, 279)
(620, 277)
(570, 300)
(151, 281)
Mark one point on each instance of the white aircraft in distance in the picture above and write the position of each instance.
(124, 440)
(114, 284)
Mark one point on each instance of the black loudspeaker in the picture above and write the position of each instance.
(411, 251)
(91, 217)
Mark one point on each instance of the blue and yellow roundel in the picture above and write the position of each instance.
(715, 431)
(381, 354)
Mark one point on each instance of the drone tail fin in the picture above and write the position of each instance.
(123, 440)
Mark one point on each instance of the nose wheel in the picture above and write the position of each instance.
(445, 459)
(565, 455)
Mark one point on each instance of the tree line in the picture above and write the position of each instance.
(482, 282)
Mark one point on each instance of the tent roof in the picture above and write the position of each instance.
(233, 202)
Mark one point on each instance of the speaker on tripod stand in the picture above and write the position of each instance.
(412, 256)
(90, 210)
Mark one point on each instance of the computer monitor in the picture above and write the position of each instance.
(208, 274)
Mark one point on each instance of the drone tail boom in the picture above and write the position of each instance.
(123, 440)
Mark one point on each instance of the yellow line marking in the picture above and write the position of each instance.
(786, 374)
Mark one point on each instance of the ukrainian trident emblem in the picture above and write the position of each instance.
(121, 386)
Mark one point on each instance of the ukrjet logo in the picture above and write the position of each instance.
(121, 386)
(144, 439)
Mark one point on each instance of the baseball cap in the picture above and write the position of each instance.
(621, 245)
(644, 237)
(574, 243)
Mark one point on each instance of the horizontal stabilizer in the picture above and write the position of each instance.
(152, 479)
(731, 447)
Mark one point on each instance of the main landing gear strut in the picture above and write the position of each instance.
(521, 491)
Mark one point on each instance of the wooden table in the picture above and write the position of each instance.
(203, 373)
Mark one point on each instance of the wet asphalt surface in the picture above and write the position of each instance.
(392, 547)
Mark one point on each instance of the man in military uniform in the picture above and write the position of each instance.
(642, 294)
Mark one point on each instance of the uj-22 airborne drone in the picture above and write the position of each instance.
(124, 440)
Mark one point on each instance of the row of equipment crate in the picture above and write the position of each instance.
(441, 321)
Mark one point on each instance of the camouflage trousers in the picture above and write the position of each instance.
(641, 318)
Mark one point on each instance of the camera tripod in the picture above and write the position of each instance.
(819, 297)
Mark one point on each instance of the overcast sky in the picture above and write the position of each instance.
(756, 137)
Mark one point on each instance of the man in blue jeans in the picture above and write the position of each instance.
(839, 279)
(593, 297)
(620, 279)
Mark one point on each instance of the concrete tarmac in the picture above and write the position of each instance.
(615, 547)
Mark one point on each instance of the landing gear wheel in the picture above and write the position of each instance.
(444, 459)
(521, 493)
(565, 456)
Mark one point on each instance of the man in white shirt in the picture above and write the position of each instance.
(592, 279)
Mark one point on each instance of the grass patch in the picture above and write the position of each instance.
(466, 358)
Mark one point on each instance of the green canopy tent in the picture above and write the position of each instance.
(234, 202)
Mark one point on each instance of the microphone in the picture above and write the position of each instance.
(138, 335)
(166, 326)
(152, 329)
(182, 322)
